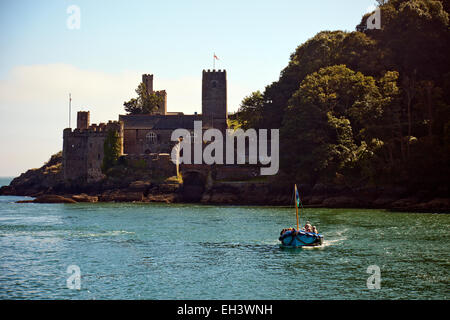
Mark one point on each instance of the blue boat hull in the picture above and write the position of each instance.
(296, 239)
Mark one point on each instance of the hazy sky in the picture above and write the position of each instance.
(100, 64)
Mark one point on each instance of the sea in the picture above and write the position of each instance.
(190, 251)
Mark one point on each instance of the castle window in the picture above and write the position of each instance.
(214, 84)
(151, 137)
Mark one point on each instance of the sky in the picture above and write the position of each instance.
(44, 57)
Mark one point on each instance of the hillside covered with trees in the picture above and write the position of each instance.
(366, 108)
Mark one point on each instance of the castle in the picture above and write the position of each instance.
(142, 134)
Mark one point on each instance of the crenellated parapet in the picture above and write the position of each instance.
(95, 129)
(214, 71)
(83, 149)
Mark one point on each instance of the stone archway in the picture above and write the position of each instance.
(194, 185)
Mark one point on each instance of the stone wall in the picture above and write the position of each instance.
(83, 119)
(83, 151)
(139, 128)
(236, 173)
(160, 164)
(142, 141)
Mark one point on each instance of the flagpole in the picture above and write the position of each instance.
(214, 61)
(70, 110)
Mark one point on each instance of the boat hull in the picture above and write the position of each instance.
(297, 239)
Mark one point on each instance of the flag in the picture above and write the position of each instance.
(297, 197)
(215, 57)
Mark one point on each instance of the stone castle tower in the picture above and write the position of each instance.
(83, 148)
(214, 99)
(83, 119)
(141, 134)
(147, 79)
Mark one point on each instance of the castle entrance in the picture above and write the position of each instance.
(194, 183)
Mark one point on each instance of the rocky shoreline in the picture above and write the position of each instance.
(242, 193)
(322, 196)
(46, 186)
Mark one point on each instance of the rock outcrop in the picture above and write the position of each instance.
(84, 198)
(50, 198)
(36, 181)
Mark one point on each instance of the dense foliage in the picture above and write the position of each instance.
(145, 103)
(366, 107)
(111, 149)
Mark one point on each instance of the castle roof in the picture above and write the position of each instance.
(159, 122)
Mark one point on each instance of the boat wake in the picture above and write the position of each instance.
(102, 234)
(334, 239)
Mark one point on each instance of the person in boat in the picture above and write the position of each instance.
(286, 230)
(314, 230)
(308, 227)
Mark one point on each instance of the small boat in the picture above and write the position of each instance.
(296, 238)
(299, 238)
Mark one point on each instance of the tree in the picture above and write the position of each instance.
(111, 150)
(250, 112)
(415, 36)
(145, 103)
(325, 128)
(371, 105)
(356, 50)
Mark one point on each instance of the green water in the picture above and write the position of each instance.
(152, 251)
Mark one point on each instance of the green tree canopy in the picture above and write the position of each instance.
(111, 150)
(324, 127)
(250, 110)
(145, 103)
(373, 105)
(356, 50)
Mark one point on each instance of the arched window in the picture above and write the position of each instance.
(151, 137)
(214, 84)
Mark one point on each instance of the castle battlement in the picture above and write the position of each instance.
(95, 129)
(214, 71)
(83, 148)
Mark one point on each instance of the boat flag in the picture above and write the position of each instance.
(297, 205)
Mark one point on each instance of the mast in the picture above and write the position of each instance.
(297, 198)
